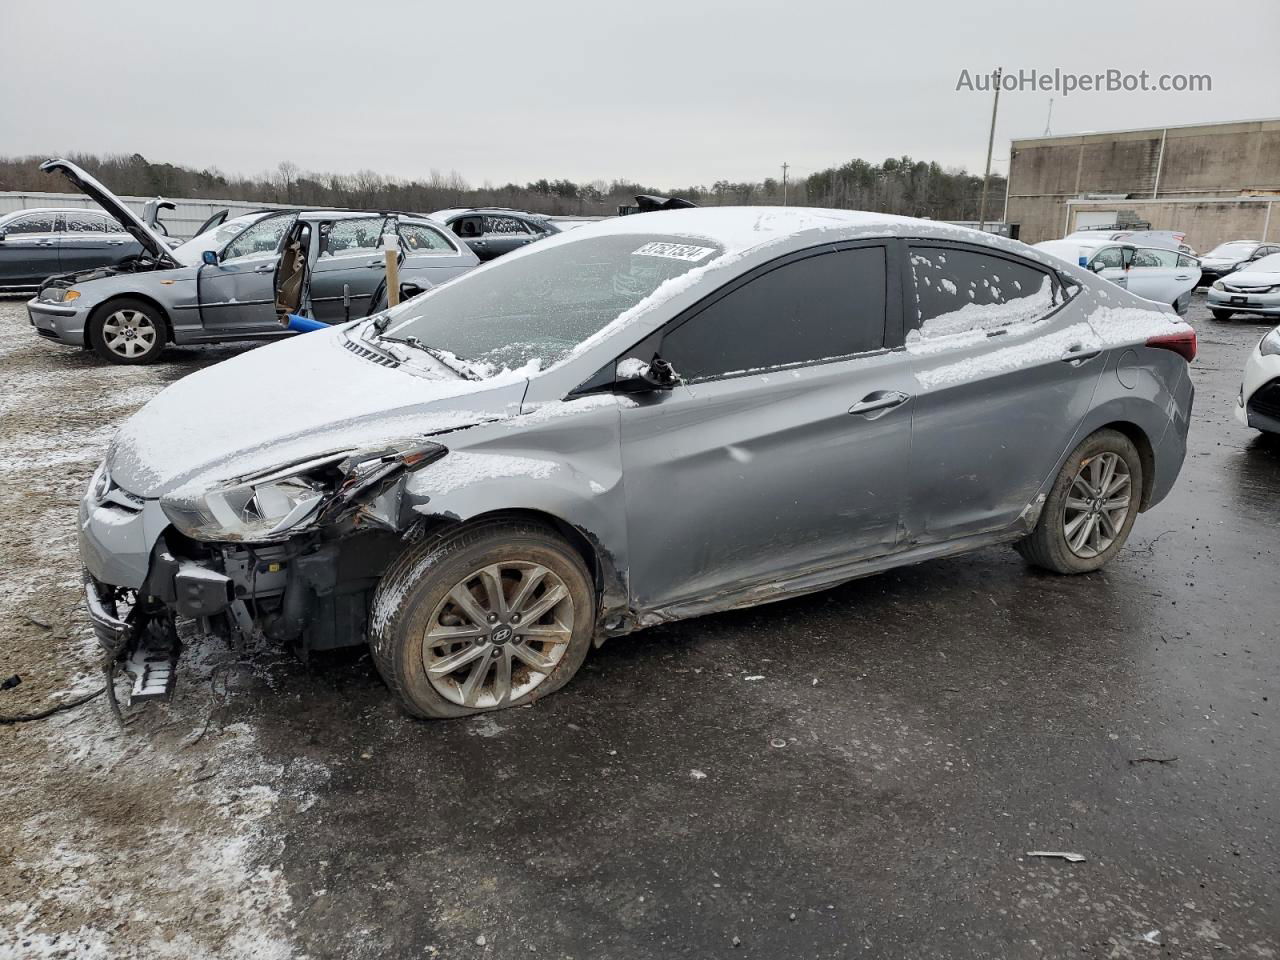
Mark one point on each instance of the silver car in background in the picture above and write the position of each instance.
(221, 285)
(642, 420)
(1153, 273)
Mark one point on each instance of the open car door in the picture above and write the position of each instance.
(293, 274)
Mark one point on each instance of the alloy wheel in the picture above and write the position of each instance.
(1097, 505)
(498, 634)
(129, 333)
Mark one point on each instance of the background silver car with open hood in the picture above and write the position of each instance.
(641, 420)
(221, 284)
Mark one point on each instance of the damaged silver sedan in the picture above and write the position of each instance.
(643, 420)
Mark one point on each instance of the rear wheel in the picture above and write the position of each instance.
(127, 331)
(1091, 509)
(1221, 314)
(489, 617)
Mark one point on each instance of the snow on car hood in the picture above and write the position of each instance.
(289, 401)
(1252, 278)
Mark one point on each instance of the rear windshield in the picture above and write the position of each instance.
(542, 303)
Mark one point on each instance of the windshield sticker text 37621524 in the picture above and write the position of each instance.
(674, 251)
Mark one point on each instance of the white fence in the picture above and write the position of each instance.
(180, 222)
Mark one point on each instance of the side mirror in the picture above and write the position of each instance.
(1097, 266)
(635, 376)
(210, 258)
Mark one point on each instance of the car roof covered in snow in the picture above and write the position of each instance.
(739, 229)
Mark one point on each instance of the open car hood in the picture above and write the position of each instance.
(153, 242)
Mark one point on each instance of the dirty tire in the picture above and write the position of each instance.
(1046, 546)
(1222, 314)
(414, 587)
(117, 315)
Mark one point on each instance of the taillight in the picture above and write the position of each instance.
(1183, 344)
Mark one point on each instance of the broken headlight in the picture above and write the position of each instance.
(272, 505)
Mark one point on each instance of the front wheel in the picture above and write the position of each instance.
(1221, 314)
(1091, 509)
(488, 617)
(127, 331)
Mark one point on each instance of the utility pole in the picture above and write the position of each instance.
(991, 140)
(785, 165)
(1049, 119)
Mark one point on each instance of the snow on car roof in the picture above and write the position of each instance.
(737, 229)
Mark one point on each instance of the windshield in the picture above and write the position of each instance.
(190, 252)
(536, 307)
(1229, 251)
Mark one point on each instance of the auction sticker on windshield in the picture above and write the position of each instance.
(674, 251)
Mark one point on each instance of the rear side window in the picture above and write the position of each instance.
(820, 308)
(1185, 261)
(420, 239)
(508, 226)
(33, 223)
(960, 291)
(352, 237)
(89, 223)
(1147, 257)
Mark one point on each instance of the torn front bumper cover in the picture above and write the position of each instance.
(142, 644)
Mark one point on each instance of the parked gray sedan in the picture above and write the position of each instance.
(642, 420)
(221, 284)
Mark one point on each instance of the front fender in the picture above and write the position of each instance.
(562, 461)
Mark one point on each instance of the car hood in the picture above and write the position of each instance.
(1218, 262)
(1252, 278)
(288, 402)
(153, 242)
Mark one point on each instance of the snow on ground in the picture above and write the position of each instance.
(155, 840)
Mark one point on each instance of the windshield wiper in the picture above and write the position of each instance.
(440, 356)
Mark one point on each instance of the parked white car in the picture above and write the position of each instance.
(1255, 290)
(1258, 404)
(1164, 276)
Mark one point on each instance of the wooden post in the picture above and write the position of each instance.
(391, 250)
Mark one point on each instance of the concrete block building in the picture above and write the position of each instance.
(1215, 181)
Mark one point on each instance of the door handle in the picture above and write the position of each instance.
(879, 400)
(44, 243)
(1182, 276)
(1079, 353)
(116, 243)
(265, 268)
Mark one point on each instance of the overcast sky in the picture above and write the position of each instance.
(665, 93)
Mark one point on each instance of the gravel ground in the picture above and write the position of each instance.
(859, 772)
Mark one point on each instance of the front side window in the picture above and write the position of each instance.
(260, 241)
(419, 239)
(823, 307)
(1184, 261)
(31, 223)
(347, 238)
(504, 226)
(1110, 257)
(538, 307)
(961, 291)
